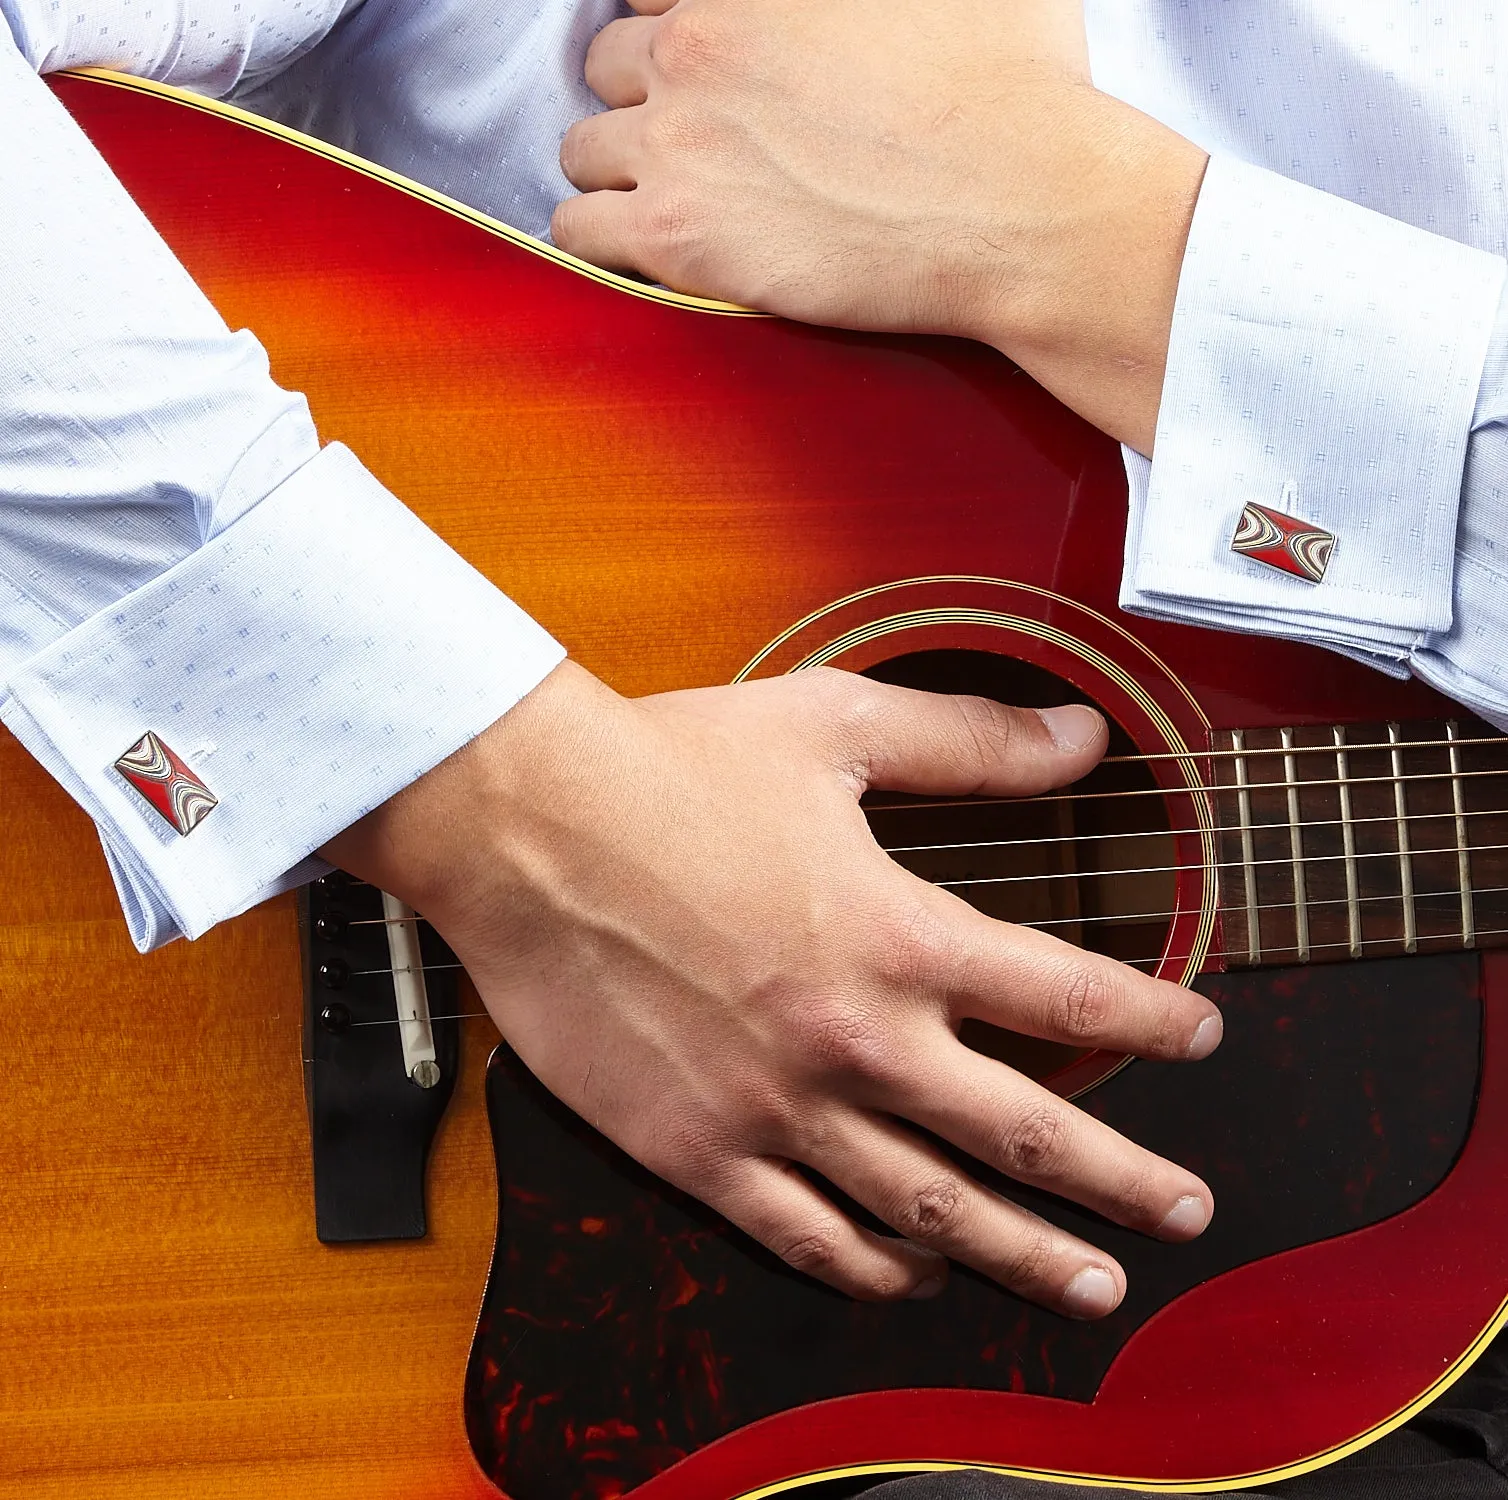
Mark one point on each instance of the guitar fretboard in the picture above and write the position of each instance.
(1362, 841)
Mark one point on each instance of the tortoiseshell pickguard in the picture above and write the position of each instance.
(626, 1326)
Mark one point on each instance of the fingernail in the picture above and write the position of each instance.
(1072, 727)
(1091, 1294)
(1206, 1037)
(1184, 1220)
(924, 1290)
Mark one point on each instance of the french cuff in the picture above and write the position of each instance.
(229, 718)
(1324, 365)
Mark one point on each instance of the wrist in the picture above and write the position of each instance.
(442, 844)
(1087, 310)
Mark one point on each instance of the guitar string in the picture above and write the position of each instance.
(1391, 819)
(1286, 861)
(1122, 917)
(932, 804)
(468, 1015)
(422, 969)
(1165, 916)
(1089, 838)
(1228, 864)
(1453, 938)
(1147, 870)
(1152, 833)
(929, 804)
(1330, 749)
(1461, 742)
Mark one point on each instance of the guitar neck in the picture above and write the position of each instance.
(1361, 841)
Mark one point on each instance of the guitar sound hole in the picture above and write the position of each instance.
(1095, 868)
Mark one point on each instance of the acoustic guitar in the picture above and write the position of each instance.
(686, 494)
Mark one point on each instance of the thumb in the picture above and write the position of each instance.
(904, 740)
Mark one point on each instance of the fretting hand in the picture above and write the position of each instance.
(674, 910)
(945, 167)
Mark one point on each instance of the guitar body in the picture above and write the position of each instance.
(683, 495)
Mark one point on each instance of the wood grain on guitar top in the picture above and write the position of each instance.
(169, 1326)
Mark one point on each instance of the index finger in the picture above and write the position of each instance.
(600, 227)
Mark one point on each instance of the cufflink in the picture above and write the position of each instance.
(167, 783)
(1283, 541)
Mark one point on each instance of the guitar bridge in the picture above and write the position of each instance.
(381, 1051)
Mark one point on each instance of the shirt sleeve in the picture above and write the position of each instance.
(180, 559)
(1469, 661)
(1325, 363)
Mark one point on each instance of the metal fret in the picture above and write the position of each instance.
(1348, 842)
(1405, 854)
(1248, 852)
(1408, 854)
(1463, 846)
(1296, 847)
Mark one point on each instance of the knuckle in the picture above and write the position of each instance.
(676, 132)
(575, 145)
(838, 1036)
(564, 222)
(1033, 1145)
(693, 1142)
(921, 945)
(862, 705)
(1027, 1265)
(670, 222)
(770, 1119)
(599, 54)
(1168, 1033)
(985, 733)
(1087, 1002)
(831, 684)
(935, 1212)
(843, 695)
(1139, 1194)
(814, 1249)
(687, 42)
(856, 714)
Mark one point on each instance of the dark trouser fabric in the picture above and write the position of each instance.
(1456, 1450)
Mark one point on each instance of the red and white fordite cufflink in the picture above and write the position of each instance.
(167, 783)
(1283, 541)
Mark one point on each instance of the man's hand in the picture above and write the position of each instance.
(939, 167)
(675, 912)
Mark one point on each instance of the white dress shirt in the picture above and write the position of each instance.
(178, 555)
